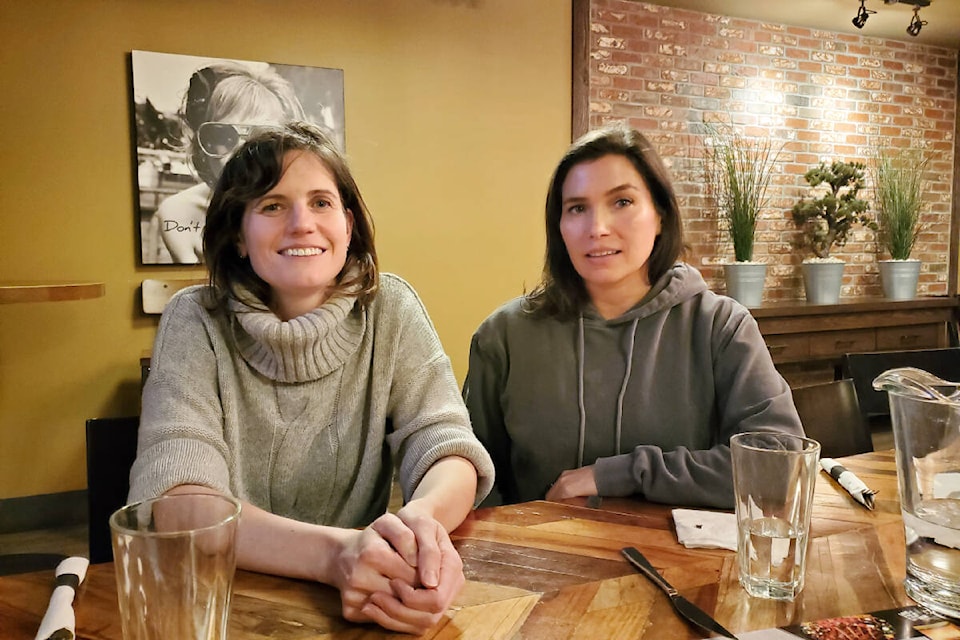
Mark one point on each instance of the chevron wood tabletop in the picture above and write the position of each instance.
(543, 570)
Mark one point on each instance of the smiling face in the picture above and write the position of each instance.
(297, 235)
(609, 225)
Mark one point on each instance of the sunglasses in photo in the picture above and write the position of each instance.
(220, 139)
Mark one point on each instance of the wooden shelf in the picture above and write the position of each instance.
(850, 305)
(807, 341)
(49, 291)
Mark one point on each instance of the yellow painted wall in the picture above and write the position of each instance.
(456, 111)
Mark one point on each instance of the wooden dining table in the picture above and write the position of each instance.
(542, 570)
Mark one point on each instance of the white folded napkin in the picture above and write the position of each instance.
(59, 621)
(706, 529)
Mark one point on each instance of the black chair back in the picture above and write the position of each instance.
(865, 367)
(830, 414)
(111, 450)
(13, 563)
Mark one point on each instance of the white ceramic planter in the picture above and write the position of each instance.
(745, 282)
(822, 280)
(899, 278)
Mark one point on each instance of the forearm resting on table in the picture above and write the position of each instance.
(273, 544)
(268, 543)
(447, 491)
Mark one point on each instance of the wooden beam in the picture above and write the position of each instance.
(954, 247)
(580, 69)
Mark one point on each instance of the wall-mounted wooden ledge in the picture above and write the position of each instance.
(11, 292)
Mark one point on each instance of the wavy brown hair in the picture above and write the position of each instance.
(561, 291)
(251, 172)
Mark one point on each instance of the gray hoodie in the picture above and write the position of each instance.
(651, 397)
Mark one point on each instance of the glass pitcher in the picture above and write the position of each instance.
(925, 412)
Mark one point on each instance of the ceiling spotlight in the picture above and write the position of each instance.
(916, 23)
(862, 15)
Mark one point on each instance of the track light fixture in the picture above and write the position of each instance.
(916, 23)
(861, 18)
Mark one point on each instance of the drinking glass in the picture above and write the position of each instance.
(175, 558)
(773, 479)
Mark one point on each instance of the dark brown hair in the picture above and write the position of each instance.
(251, 172)
(561, 291)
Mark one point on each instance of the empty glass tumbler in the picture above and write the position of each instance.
(175, 558)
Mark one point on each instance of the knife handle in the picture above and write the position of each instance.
(643, 565)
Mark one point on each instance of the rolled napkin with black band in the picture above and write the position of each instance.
(849, 481)
(59, 622)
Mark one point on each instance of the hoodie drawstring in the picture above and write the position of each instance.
(583, 411)
(623, 387)
(626, 379)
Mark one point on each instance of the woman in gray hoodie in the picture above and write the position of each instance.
(621, 373)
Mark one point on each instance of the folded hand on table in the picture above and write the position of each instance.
(401, 572)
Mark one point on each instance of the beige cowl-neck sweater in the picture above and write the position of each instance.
(303, 418)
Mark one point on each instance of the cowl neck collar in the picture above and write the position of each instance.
(304, 348)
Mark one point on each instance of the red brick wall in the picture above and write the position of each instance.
(824, 95)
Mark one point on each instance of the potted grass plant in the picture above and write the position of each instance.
(899, 184)
(738, 171)
(826, 220)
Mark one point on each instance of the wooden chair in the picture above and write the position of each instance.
(111, 450)
(830, 414)
(863, 368)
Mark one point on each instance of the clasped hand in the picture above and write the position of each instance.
(401, 572)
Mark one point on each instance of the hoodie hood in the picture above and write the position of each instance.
(680, 283)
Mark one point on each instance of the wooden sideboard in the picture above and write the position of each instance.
(807, 341)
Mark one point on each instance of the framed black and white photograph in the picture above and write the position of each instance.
(190, 114)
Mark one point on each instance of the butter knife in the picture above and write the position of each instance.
(683, 606)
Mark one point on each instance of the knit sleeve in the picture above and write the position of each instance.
(181, 433)
(750, 395)
(429, 419)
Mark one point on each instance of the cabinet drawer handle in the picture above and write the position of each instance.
(776, 348)
(843, 344)
(909, 339)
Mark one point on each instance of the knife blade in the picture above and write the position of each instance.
(684, 607)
